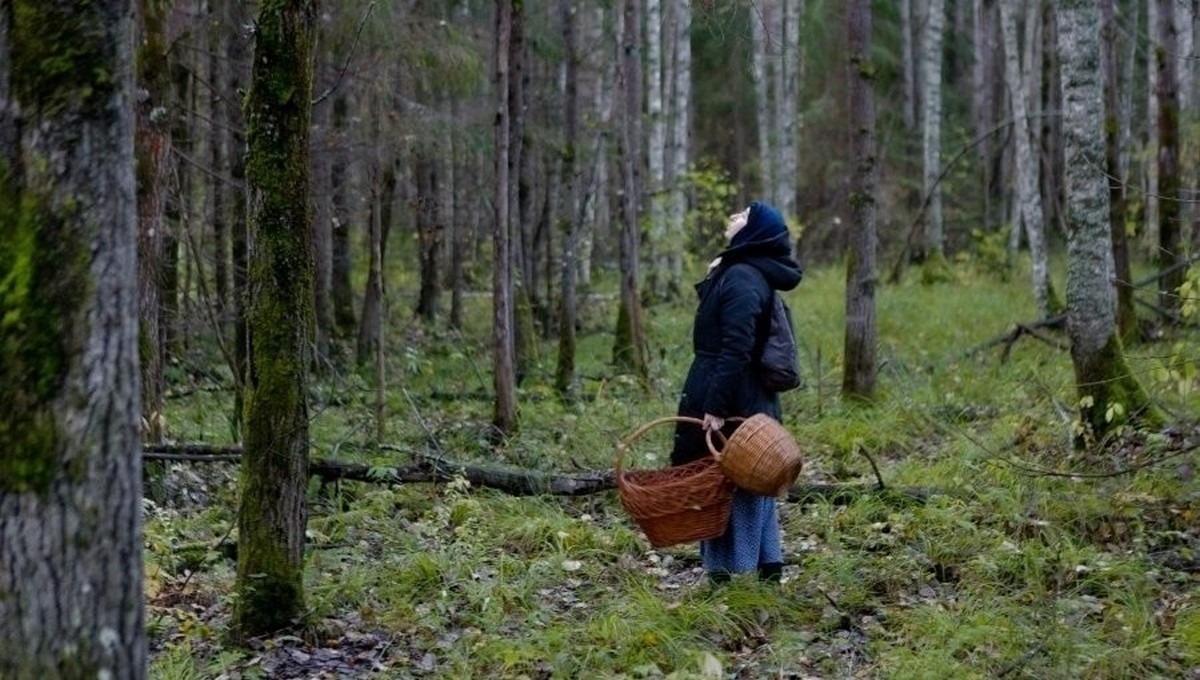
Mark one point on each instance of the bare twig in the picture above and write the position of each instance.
(342, 73)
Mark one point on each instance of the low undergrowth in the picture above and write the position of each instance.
(1013, 554)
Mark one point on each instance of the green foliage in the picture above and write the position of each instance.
(61, 57)
(713, 193)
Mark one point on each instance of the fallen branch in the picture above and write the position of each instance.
(1031, 329)
(434, 469)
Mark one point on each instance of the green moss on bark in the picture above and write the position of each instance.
(59, 56)
(43, 281)
(1110, 395)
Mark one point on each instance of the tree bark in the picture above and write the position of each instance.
(1028, 195)
(504, 415)
(1170, 234)
(343, 293)
(931, 127)
(858, 378)
(629, 348)
(273, 512)
(70, 468)
(1118, 208)
(430, 236)
(1109, 393)
(564, 376)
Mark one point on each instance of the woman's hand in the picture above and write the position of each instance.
(712, 422)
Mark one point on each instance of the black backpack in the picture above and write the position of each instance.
(778, 364)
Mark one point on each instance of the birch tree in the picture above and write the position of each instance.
(775, 28)
(679, 125)
(931, 137)
(1028, 194)
(1108, 393)
(279, 316)
(70, 468)
(858, 377)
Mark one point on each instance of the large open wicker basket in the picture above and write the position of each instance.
(760, 456)
(676, 504)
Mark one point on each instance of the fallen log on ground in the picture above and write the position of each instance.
(432, 469)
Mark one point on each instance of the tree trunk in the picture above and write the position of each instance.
(70, 472)
(1118, 210)
(370, 327)
(679, 146)
(504, 416)
(343, 293)
(323, 143)
(656, 92)
(931, 127)
(564, 376)
(1028, 194)
(858, 379)
(430, 236)
(1170, 235)
(629, 349)
(908, 69)
(273, 512)
(1109, 393)
(153, 153)
(1152, 192)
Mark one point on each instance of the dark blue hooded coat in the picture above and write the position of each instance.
(730, 328)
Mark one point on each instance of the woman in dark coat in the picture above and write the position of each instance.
(728, 332)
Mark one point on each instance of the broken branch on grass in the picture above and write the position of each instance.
(1031, 329)
(435, 469)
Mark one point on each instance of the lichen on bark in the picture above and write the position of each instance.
(59, 53)
(43, 281)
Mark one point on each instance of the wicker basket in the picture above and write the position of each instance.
(676, 504)
(760, 456)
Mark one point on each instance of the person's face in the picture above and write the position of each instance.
(736, 222)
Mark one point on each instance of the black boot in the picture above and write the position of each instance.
(719, 578)
(771, 571)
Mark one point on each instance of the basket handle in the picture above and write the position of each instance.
(623, 445)
(724, 440)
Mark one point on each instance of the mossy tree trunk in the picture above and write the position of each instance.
(271, 520)
(70, 467)
(1109, 394)
(858, 378)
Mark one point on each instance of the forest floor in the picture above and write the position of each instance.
(1027, 557)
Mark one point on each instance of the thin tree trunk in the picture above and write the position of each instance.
(343, 293)
(1151, 155)
(630, 343)
(908, 70)
(656, 92)
(564, 376)
(791, 66)
(70, 473)
(1170, 235)
(153, 154)
(858, 378)
(931, 125)
(370, 327)
(504, 416)
(1028, 195)
(323, 142)
(1110, 394)
(1118, 211)
(430, 237)
(679, 147)
(273, 512)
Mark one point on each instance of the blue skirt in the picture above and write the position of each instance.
(752, 538)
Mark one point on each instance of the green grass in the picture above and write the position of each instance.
(1004, 571)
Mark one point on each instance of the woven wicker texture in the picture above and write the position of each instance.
(675, 504)
(760, 456)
